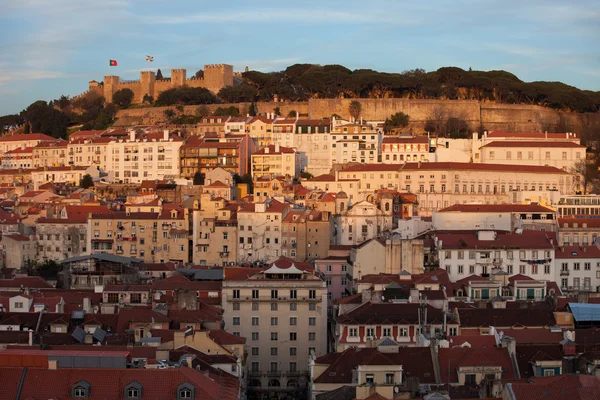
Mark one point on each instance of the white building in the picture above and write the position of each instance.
(71, 175)
(485, 252)
(144, 157)
(562, 155)
(395, 149)
(362, 221)
(275, 160)
(355, 142)
(577, 268)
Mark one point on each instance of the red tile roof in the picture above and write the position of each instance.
(534, 336)
(454, 358)
(322, 178)
(498, 208)
(534, 135)
(32, 282)
(560, 387)
(475, 342)
(527, 240)
(272, 150)
(537, 143)
(404, 139)
(452, 166)
(577, 252)
(390, 313)
(20, 150)
(26, 136)
(570, 222)
(225, 338)
(175, 282)
(505, 317)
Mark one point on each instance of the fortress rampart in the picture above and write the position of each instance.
(216, 77)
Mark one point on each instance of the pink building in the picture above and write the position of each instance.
(336, 270)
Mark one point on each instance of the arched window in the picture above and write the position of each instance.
(255, 382)
(387, 206)
(341, 206)
(292, 383)
(274, 383)
(185, 391)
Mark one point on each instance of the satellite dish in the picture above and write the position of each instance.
(396, 389)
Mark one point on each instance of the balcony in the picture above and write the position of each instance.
(224, 254)
(274, 374)
(254, 374)
(292, 374)
(564, 272)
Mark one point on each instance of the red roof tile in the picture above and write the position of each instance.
(225, 338)
(498, 208)
(527, 240)
(26, 136)
(451, 359)
(537, 143)
(560, 387)
(273, 150)
(577, 252)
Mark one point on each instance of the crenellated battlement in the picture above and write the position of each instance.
(216, 77)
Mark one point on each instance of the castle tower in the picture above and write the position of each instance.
(178, 77)
(147, 79)
(217, 76)
(111, 85)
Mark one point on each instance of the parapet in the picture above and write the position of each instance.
(217, 66)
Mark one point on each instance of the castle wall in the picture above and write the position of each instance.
(135, 87)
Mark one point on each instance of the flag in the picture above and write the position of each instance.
(112, 63)
(149, 59)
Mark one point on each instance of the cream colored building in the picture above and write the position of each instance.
(275, 160)
(50, 154)
(17, 251)
(21, 157)
(153, 237)
(282, 311)
(395, 149)
(562, 155)
(355, 143)
(60, 238)
(214, 231)
(259, 230)
(260, 129)
(12, 142)
(144, 157)
(361, 222)
(66, 174)
(88, 151)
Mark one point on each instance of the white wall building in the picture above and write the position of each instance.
(577, 268)
(361, 222)
(275, 160)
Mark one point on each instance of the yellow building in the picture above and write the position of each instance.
(275, 160)
(50, 154)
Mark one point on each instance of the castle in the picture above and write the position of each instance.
(216, 76)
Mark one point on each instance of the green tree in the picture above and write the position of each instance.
(246, 178)
(185, 95)
(306, 175)
(198, 178)
(586, 173)
(292, 114)
(159, 74)
(43, 118)
(123, 97)
(199, 74)
(457, 128)
(354, 109)
(179, 108)
(202, 111)
(48, 269)
(398, 120)
(238, 93)
(169, 113)
(86, 182)
(227, 111)
(277, 111)
(10, 121)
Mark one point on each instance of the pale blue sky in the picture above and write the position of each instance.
(54, 47)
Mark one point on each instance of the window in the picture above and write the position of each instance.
(132, 393)
(353, 332)
(236, 321)
(255, 321)
(389, 379)
(273, 351)
(312, 294)
(274, 294)
(461, 269)
(274, 336)
(255, 293)
(470, 379)
(255, 336)
(274, 307)
(403, 332)
(549, 372)
(236, 306)
(370, 379)
(185, 394)
(293, 294)
(312, 336)
(293, 336)
(236, 294)
(81, 390)
(293, 351)
(387, 332)
(293, 306)
(274, 321)
(312, 307)
(255, 307)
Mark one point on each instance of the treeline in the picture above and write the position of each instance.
(300, 82)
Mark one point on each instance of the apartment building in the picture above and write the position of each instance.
(562, 155)
(275, 160)
(487, 252)
(260, 129)
(573, 205)
(60, 238)
(282, 311)
(397, 149)
(50, 154)
(21, 157)
(305, 234)
(578, 231)
(215, 233)
(259, 230)
(89, 151)
(17, 250)
(362, 221)
(12, 142)
(150, 236)
(139, 157)
(578, 268)
(355, 143)
(229, 152)
(211, 124)
(440, 185)
(67, 174)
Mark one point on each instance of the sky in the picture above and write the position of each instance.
(54, 47)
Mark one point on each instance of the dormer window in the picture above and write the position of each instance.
(133, 391)
(81, 390)
(185, 391)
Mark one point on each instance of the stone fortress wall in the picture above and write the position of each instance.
(216, 76)
(510, 117)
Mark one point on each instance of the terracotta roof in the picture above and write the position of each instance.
(536, 135)
(313, 122)
(26, 136)
(452, 166)
(498, 208)
(20, 150)
(519, 277)
(559, 387)
(505, 317)
(390, 313)
(537, 143)
(322, 178)
(175, 282)
(452, 359)
(526, 240)
(415, 361)
(272, 150)
(217, 184)
(405, 139)
(32, 282)
(54, 143)
(475, 342)
(577, 252)
(241, 274)
(534, 336)
(85, 134)
(570, 222)
(225, 338)
(284, 121)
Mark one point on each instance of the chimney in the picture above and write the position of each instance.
(267, 150)
(166, 135)
(189, 360)
(52, 365)
(132, 136)
(277, 148)
(566, 134)
(30, 337)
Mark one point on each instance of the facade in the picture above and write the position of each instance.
(21, 157)
(404, 149)
(275, 160)
(577, 268)
(362, 221)
(260, 130)
(50, 154)
(305, 234)
(13, 142)
(529, 253)
(578, 205)
(150, 236)
(337, 272)
(259, 230)
(215, 233)
(355, 142)
(88, 151)
(143, 156)
(229, 152)
(578, 231)
(562, 155)
(18, 250)
(60, 238)
(71, 175)
(282, 311)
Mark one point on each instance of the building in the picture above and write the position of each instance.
(50, 154)
(362, 221)
(21, 157)
(305, 234)
(275, 160)
(578, 205)
(18, 251)
(397, 149)
(504, 217)
(151, 236)
(443, 184)
(88, 151)
(12, 142)
(576, 268)
(215, 231)
(71, 175)
(562, 155)
(229, 152)
(486, 252)
(139, 157)
(259, 230)
(260, 129)
(282, 311)
(355, 142)
(578, 231)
